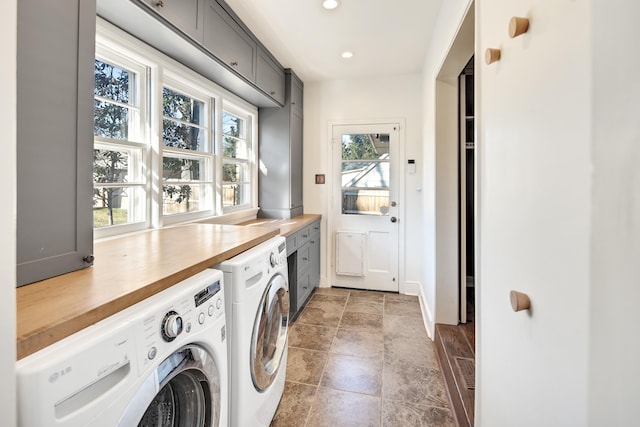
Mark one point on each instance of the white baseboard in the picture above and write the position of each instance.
(427, 317)
(410, 288)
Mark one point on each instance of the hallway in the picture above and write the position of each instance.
(360, 358)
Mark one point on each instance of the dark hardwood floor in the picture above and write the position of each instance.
(455, 348)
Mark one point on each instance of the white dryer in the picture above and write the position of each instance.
(257, 304)
(162, 361)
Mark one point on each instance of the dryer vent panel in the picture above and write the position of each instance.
(349, 253)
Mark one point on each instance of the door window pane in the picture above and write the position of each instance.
(365, 174)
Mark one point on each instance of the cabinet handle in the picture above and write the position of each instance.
(273, 92)
(313, 241)
(304, 259)
(234, 63)
(519, 301)
(160, 3)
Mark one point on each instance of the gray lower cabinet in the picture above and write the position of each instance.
(186, 15)
(55, 137)
(280, 146)
(228, 41)
(304, 265)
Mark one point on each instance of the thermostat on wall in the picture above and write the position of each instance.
(411, 166)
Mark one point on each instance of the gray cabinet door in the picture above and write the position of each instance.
(314, 259)
(296, 161)
(228, 41)
(270, 77)
(55, 137)
(185, 15)
(280, 144)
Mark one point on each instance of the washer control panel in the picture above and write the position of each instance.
(181, 315)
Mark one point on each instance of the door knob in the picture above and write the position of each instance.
(394, 219)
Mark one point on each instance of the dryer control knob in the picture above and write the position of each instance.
(171, 326)
(273, 260)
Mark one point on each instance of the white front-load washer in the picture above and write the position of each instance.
(257, 304)
(162, 361)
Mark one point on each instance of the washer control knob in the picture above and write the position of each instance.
(218, 303)
(211, 310)
(273, 260)
(201, 318)
(151, 354)
(171, 326)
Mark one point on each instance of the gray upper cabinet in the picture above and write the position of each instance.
(185, 15)
(280, 145)
(206, 36)
(229, 42)
(55, 137)
(270, 77)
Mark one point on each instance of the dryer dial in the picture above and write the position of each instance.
(171, 326)
(273, 260)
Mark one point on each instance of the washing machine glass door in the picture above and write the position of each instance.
(189, 392)
(269, 339)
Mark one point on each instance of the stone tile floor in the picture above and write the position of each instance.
(360, 358)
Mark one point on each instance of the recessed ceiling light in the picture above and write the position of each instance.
(330, 4)
(347, 55)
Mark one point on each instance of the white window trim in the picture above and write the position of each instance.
(107, 54)
(252, 155)
(164, 70)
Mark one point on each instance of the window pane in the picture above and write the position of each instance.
(365, 202)
(182, 107)
(116, 206)
(110, 120)
(233, 172)
(232, 125)
(179, 135)
(182, 198)
(234, 194)
(365, 146)
(112, 82)
(234, 148)
(182, 169)
(110, 166)
(365, 174)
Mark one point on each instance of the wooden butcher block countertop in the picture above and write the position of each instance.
(126, 271)
(286, 226)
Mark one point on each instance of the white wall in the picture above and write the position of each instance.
(535, 207)
(614, 346)
(440, 217)
(8, 214)
(365, 99)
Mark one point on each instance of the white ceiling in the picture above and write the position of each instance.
(387, 37)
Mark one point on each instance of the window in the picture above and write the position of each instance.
(120, 193)
(187, 177)
(365, 174)
(165, 149)
(236, 177)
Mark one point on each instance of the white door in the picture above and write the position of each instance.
(366, 206)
